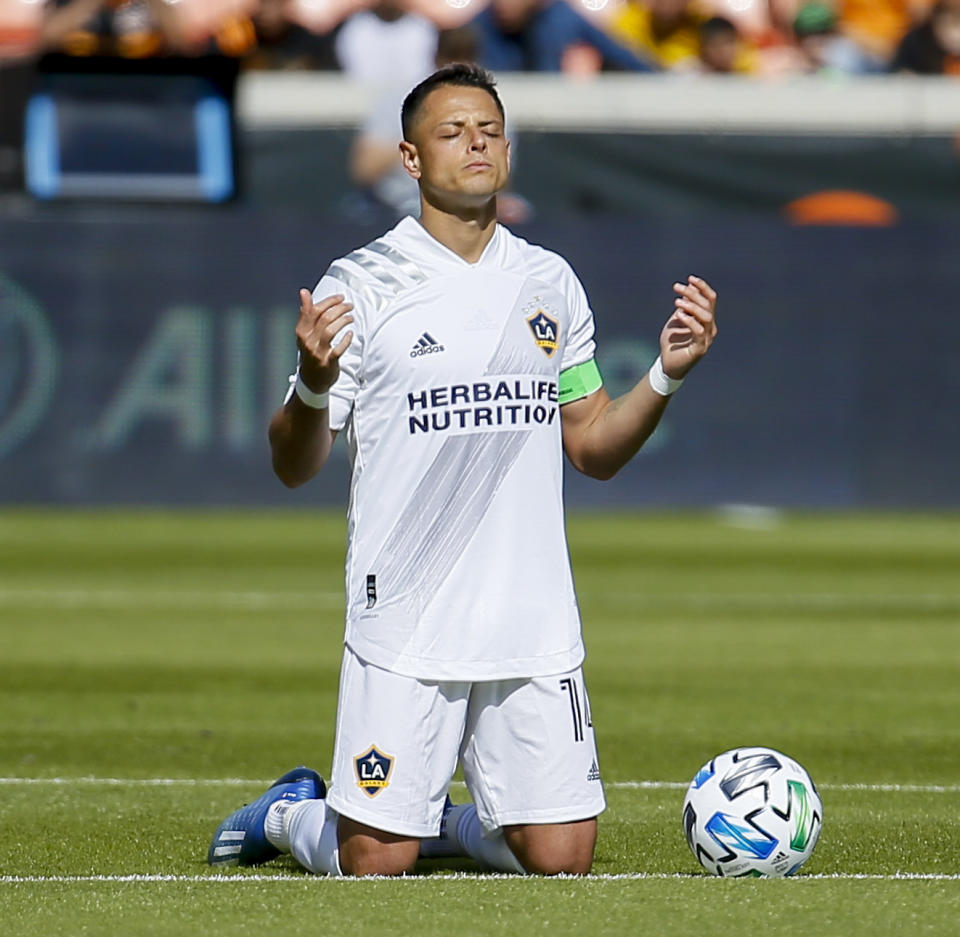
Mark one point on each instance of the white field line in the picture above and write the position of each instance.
(610, 785)
(241, 877)
(42, 597)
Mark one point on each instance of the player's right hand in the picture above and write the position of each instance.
(318, 325)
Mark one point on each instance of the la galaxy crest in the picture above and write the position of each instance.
(373, 769)
(545, 328)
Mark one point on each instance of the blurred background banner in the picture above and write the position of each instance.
(172, 171)
(141, 356)
(869, 179)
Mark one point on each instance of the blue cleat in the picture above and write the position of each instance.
(241, 840)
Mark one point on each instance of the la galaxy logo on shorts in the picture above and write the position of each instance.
(373, 769)
(546, 329)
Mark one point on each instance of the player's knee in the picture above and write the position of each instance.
(375, 862)
(366, 851)
(572, 862)
(555, 849)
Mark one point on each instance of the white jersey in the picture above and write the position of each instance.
(457, 563)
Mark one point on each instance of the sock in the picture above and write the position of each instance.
(311, 836)
(446, 844)
(464, 828)
(276, 826)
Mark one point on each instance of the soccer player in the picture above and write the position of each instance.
(459, 360)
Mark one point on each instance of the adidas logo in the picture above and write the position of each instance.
(594, 773)
(426, 345)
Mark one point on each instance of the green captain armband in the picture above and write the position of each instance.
(579, 381)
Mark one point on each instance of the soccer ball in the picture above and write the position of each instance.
(752, 811)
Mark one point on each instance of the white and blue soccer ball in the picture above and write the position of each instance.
(752, 812)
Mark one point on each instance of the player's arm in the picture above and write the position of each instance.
(300, 433)
(601, 435)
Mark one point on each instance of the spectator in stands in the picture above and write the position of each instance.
(722, 49)
(665, 32)
(388, 50)
(933, 47)
(387, 45)
(130, 29)
(546, 36)
(281, 43)
(823, 48)
(234, 35)
(877, 26)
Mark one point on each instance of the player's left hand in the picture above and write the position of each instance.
(690, 332)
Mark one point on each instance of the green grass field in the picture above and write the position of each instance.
(157, 669)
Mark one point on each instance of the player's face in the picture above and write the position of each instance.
(459, 153)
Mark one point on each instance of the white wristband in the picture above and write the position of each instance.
(660, 382)
(317, 401)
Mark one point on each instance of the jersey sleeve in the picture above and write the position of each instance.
(579, 375)
(344, 391)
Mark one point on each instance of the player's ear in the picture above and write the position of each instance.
(410, 158)
(508, 156)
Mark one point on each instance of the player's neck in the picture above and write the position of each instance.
(465, 233)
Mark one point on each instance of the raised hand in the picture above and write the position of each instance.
(691, 329)
(318, 325)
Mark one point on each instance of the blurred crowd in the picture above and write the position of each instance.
(389, 45)
(368, 38)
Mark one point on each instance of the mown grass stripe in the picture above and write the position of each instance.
(161, 598)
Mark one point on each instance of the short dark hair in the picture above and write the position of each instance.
(464, 74)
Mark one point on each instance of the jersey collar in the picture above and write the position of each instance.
(411, 227)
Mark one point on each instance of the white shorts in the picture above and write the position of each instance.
(526, 746)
